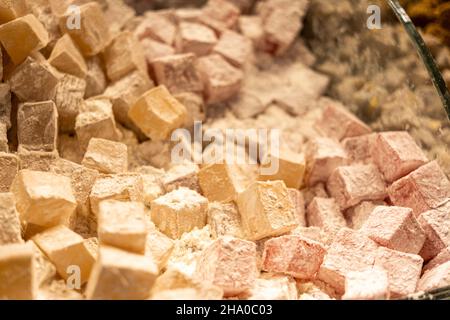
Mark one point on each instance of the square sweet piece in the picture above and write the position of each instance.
(403, 270)
(252, 28)
(424, 189)
(159, 247)
(157, 27)
(395, 228)
(37, 126)
(436, 224)
(27, 27)
(122, 225)
(224, 220)
(230, 264)
(438, 277)
(323, 156)
(349, 251)
(106, 156)
(299, 205)
(67, 58)
(154, 49)
(43, 198)
(34, 80)
(291, 168)
(396, 154)
(220, 15)
(96, 120)
(350, 185)
(370, 284)
(123, 187)
(157, 113)
(95, 78)
(123, 55)
(234, 47)
(359, 149)
(112, 267)
(273, 287)
(18, 278)
(65, 249)
(441, 258)
(195, 38)
(339, 123)
(179, 211)
(266, 210)
(178, 73)
(222, 80)
(11, 229)
(325, 213)
(293, 255)
(9, 166)
(93, 34)
(357, 215)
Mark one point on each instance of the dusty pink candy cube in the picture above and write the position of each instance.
(359, 148)
(351, 185)
(154, 49)
(441, 258)
(436, 224)
(350, 251)
(403, 270)
(178, 73)
(325, 213)
(323, 156)
(195, 38)
(424, 189)
(252, 28)
(293, 255)
(222, 80)
(396, 154)
(220, 15)
(230, 264)
(435, 278)
(157, 27)
(339, 123)
(356, 216)
(235, 48)
(395, 228)
(369, 284)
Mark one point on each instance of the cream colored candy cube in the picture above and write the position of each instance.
(10, 230)
(37, 126)
(122, 225)
(67, 251)
(43, 198)
(14, 33)
(93, 34)
(106, 156)
(266, 210)
(124, 55)
(17, 272)
(157, 113)
(112, 267)
(67, 58)
(124, 187)
(159, 247)
(9, 166)
(291, 168)
(96, 120)
(179, 211)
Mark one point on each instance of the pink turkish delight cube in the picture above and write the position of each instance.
(395, 228)
(359, 149)
(424, 189)
(235, 48)
(403, 270)
(325, 213)
(351, 185)
(293, 255)
(349, 251)
(441, 258)
(299, 206)
(339, 123)
(396, 154)
(436, 224)
(222, 80)
(323, 156)
(369, 284)
(438, 277)
(230, 264)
